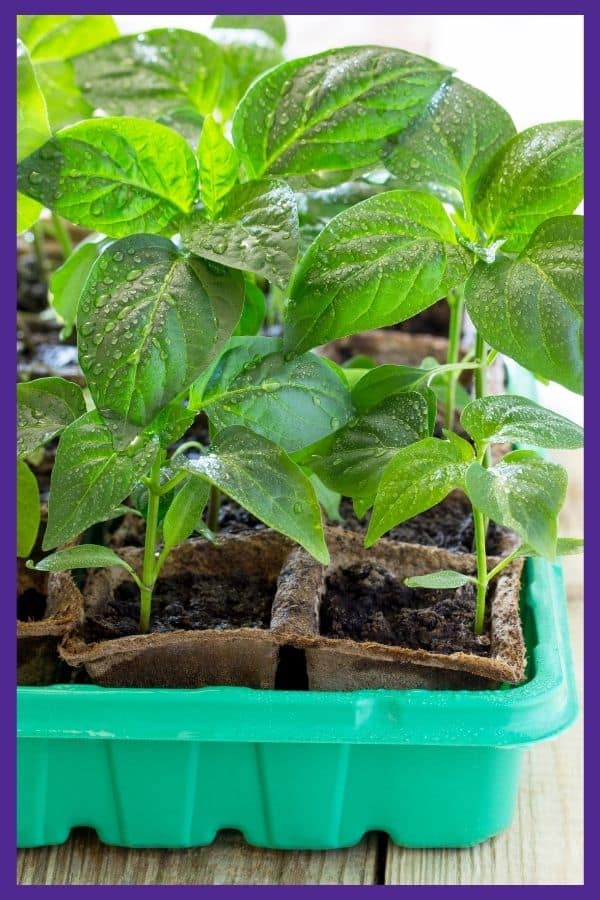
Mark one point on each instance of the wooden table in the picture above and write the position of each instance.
(543, 846)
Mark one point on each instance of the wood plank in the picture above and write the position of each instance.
(83, 860)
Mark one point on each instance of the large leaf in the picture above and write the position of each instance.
(525, 495)
(376, 264)
(67, 282)
(257, 230)
(333, 110)
(44, 407)
(292, 401)
(418, 477)
(262, 478)
(184, 512)
(28, 509)
(538, 174)
(90, 478)
(52, 41)
(248, 52)
(274, 26)
(115, 175)
(84, 556)
(150, 319)
(352, 460)
(152, 74)
(218, 167)
(449, 148)
(511, 419)
(531, 308)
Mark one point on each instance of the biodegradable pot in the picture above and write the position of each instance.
(343, 664)
(45, 619)
(182, 658)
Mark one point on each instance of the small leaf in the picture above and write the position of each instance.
(257, 231)
(28, 509)
(445, 578)
(254, 311)
(294, 402)
(531, 308)
(261, 477)
(171, 423)
(67, 282)
(248, 52)
(274, 26)
(538, 174)
(150, 320)
(84, 556)
(512, 419)
(118, 175)
(523, 495)
(331, 111)
(152, 74)
(418, 477)
(352, 460)
(450, 146)
(564, 547)
(185, 511)
(33, 129)
(90, 478)
(44, 407)
(378, 263)
(218, 167)
(383, 381)
(329, 500)
(28, 212)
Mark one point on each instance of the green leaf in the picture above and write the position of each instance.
(254, 311)
(67, 282)
(84, 556)
(90, 478)
(328, 500)
(33, 129)
(333, 110)
(449, 148)
(257, 231)
(248, 53)
(352, 460)
(149, 321)
(538, 174)
(262, 478)
(219, 164)
(274, 26)
(564, 547)
(185, 512)
(171, 423)
(44, 407)
(512, 419)
(418, 477)
(28, 509)
(531, 308)
(376, 264)
(186, 121)
(28, 212)
(525, 496)
(114, 175)
(52, 41)
(152, 74)
(383, 381)
(444, 578)
(292, 401)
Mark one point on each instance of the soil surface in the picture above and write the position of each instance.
(31, 605)
(366, 602)
(235, 520)
(40, 352)
(190, 602)
(32, 292)
(434, 320)
(449, 526)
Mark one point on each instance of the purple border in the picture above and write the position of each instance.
(8, 363)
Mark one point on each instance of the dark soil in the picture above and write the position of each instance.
(40, 352)
(191, 602)
(449, 526)
(31, 605)
(434, 320)
(235, 520)
(366, 602)
(32, 292)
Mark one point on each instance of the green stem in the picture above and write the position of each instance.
(504, 563)
(62, 236)
(38, 247)
(149, 566)
(481, 371)
(456, 302)
(214, 504)
(482, 576)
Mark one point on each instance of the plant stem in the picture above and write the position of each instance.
(149, 572)
(214, 504)
(456, 302)
(482, 578)
(481, 371)
(38, 247)
(62, 236)
(503, 563)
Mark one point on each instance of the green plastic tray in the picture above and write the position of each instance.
(293, 770)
